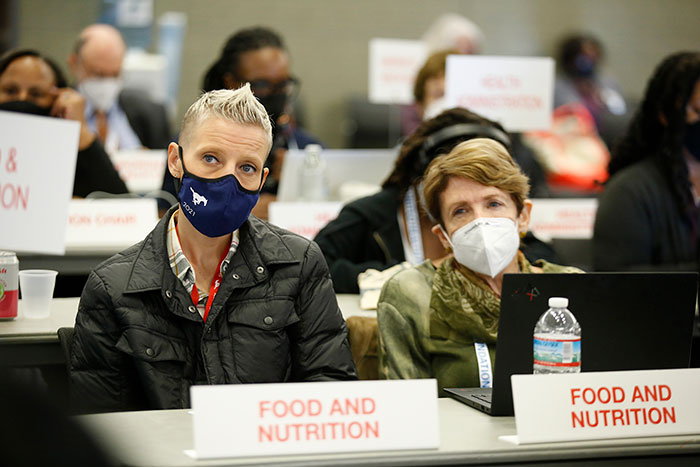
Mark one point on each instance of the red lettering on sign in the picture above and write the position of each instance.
(623, 417)
(500, 82)
(11, 165)
(14, 196)
(283, 433)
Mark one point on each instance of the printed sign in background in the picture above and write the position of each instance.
(393, 65)
(37, 167)
(109, 225)
(563, 218)
(141, 169)
(305, 219)
(518, 92)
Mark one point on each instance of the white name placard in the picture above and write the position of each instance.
(109, 225)
(37, 168)
(305, 219)
(296, 418)
(393, 65)
(563, 218)
(518, 92)
(141, 169)
(620, 404)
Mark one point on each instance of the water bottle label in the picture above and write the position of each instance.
(564, 352)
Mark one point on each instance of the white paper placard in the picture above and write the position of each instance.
(393, 65)
(518, 92)
(563, 218)
(37, 168)
(295, 418)
(305, 219)
(619, 404)
(141, 169)
(109, 225)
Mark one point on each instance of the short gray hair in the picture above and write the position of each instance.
(235, 105)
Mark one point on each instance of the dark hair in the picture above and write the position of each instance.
(571, 46)
(667, 93)
(420, 148)
(245, 40)
(13, 55)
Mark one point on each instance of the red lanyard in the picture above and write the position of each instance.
(215, 283)
(213, 288)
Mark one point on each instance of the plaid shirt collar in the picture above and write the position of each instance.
(181, 266)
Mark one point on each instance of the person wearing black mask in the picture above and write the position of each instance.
(31, 83)
(580, 80)
(648, 215)
(258, 56)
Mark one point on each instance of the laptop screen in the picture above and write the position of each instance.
(629, 321)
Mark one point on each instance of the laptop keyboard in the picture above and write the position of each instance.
(485, 397)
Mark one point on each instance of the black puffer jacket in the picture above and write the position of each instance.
(140, 343)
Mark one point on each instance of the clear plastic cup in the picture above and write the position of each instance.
(36, 287)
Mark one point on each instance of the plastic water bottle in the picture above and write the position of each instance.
(557, 340)
(314, 186)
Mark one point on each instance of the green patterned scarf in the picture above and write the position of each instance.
(462, 306)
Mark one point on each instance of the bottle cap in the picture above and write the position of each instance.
(558, 302)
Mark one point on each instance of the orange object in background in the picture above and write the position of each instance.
(573, 155)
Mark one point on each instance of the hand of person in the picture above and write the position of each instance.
(70, 104)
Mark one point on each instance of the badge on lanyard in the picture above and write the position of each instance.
(410, 207)
(484, 360)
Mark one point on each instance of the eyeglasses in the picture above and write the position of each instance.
(264, 88)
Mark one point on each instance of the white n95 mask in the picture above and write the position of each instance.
(101, 92)
(486, 245)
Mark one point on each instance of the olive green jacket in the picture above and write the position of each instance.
(418, 339)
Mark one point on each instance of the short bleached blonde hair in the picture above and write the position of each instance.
(482, 160)
(235, 105)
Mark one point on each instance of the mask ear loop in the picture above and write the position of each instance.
(449, 240)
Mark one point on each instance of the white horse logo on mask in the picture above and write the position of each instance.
(197, 198)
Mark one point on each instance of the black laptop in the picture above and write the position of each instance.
(629, 321)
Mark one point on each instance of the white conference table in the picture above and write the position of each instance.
(466, 437)
(33, 342)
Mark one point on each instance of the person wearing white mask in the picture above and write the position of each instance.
(434, 318)
(122, 118)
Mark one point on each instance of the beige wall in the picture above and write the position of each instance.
(328, 38)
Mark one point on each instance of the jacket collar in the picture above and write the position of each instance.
(260, 246)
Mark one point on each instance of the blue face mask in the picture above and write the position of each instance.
(215, 206)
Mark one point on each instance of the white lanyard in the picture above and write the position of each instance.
(484, 360)
(415, 240)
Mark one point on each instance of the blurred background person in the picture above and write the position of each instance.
(449, 34)
(258, 56)
(580, 80)
(647, 217)
(431, 316)
(429, 94)
(122, 118)
(391, 226)
(453, 31)
(34, 84)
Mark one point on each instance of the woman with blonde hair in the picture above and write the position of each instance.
(431, 317)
